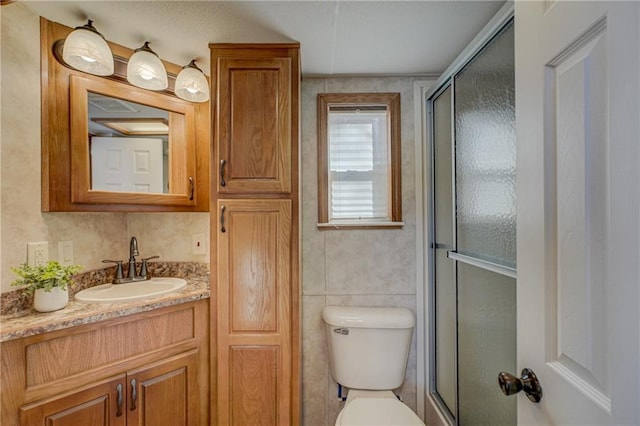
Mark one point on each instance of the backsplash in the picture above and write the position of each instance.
(16, 300)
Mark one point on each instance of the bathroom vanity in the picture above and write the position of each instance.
(143, 362)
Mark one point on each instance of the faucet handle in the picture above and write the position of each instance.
(143, 268)
(118, 267)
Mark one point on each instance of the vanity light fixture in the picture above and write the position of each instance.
(85, 49)
(146, 70)
(191, 84)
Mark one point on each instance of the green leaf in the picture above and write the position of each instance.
(51, 274)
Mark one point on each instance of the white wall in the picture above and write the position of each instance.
(352, 267)
(95, 236)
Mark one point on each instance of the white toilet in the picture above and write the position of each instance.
(368, 351)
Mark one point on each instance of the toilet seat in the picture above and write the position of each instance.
(377, 412)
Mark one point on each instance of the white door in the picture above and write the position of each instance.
(578, 136)
(126, 164)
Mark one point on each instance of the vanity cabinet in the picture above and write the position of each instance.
(146, 369)
(255, 235)
(96, 406)
(151, 395)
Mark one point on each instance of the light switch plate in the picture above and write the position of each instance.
(65, 252)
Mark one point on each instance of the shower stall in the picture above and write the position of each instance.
(471, 237)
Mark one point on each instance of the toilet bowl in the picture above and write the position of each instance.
(376, 408)
(368, 352)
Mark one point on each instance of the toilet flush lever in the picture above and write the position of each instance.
(343, 331)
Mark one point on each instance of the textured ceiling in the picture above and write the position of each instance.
(336, 37)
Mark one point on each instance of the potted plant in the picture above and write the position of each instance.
(47, 282)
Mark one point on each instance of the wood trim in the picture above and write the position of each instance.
(293, 51)
(58, 186)
(392, 102)
(113, 124)
(255, 49)
(323, 160)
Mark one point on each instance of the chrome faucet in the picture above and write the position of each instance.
(131, 275)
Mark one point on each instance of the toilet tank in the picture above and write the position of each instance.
(368, 347)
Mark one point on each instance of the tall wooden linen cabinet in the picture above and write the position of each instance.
(255, 301)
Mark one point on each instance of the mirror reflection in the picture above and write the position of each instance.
(129, 145)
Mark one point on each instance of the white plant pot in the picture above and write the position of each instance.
(53, 300)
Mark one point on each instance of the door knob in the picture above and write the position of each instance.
(511, 385)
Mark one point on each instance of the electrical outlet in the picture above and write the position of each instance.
(37, 253)
(65, 252)
(198, 244)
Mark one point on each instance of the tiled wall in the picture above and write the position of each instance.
(95, 236)
(360, 268)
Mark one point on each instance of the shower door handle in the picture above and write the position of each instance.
(528, 382)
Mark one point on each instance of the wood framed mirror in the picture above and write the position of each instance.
(166, 140)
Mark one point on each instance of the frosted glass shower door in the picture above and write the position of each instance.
(485, 174)
(474, 237)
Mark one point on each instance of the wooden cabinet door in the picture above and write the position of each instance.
(253, 124)
(102, 404)
(164, 393)
(254, 302)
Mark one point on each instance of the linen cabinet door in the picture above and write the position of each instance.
(254, 312)
(164, 393)
(253, 131)
(102, 404)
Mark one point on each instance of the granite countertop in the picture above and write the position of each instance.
(28, 322)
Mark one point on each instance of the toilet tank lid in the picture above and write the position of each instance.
(368, 317)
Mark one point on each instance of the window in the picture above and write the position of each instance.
(359, 160)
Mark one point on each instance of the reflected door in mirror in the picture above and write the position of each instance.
(127, 164)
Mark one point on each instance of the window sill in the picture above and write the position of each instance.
(359, 225)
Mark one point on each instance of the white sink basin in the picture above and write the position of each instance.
(130, 291)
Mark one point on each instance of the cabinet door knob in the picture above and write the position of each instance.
(222, 164)
(119, 400)
(222, 228)
(134, 394)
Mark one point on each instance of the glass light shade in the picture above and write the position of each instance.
(146, 70)
(191, 84)
(86, 50)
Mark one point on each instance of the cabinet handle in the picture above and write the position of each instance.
(134, 394)
(222, 164)
(119, 399)
(192, 187)
(222, 228)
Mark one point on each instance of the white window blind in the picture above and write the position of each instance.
(359, 166)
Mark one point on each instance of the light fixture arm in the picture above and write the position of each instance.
(145, 48)
(192, 64)
(89, 26)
